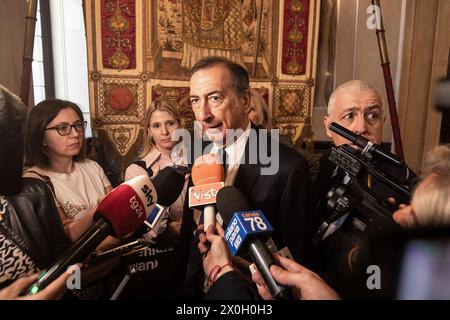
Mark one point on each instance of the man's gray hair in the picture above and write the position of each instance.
(351, 86)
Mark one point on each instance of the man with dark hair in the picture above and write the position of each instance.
(239, 76)
(220, 99)
(274, 178)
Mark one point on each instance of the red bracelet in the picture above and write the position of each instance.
(215, 271)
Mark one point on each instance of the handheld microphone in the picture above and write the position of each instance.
(154, 217)
(250, 229)
(121, 212)
(208, 176)
(366, 145)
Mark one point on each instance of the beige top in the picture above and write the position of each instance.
(158, 161)
(78, 191)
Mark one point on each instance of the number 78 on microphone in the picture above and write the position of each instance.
(245, 225)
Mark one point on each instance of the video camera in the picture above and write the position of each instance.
(358, 205)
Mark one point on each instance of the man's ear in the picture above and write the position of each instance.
(246, 101)
(326, 123)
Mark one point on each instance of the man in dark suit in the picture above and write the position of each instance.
(220, 99)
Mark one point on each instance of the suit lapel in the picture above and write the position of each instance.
(246, 177)
(248, 174)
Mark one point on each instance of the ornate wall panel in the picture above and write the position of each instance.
(142, 50)
(118, 19)
(295, 37)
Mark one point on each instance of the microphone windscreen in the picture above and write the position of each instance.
(168, 184)
(230, 200)
(207, 169)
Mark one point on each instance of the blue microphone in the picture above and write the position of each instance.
(245, 226)
(249, 229)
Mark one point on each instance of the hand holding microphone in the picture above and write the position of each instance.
(249, 229)
(122, 211)
(305, 284)
(215, 253)
(208, 176)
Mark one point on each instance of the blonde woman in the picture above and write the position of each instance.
(430, 204)
(158, 152)
(259, 115)
(259, 112)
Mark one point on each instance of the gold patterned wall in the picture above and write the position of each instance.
(141, 50)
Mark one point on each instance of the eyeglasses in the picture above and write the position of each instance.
(65, 129)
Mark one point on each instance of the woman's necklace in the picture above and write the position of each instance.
(63, 171)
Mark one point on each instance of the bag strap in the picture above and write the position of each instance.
(48, 182)
(142, 164)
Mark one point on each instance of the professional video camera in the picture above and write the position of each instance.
(357, 205)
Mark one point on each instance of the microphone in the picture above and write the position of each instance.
(250, 229)
(208, 176)
(366, 145)
(155, 215)
(121, 212)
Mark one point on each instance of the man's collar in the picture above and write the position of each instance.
(236, 149)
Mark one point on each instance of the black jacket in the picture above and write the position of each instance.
(285, 198)
(34, 221)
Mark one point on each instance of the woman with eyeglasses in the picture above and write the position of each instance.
(55, 152)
